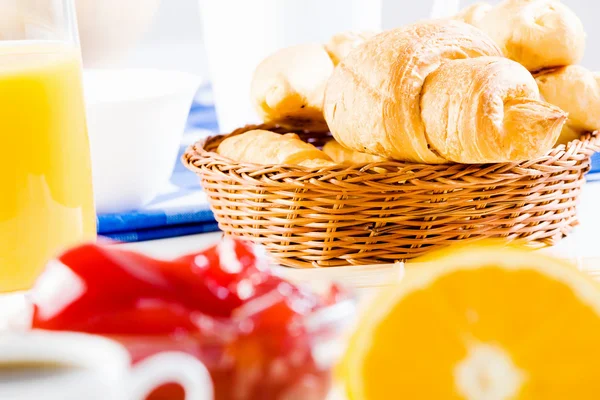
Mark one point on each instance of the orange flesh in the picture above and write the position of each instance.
(542, 325)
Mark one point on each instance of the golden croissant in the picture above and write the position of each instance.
(270, 148)
(576, 90)
(438, 92)
(536, 33)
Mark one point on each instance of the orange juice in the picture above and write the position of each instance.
(46, 201)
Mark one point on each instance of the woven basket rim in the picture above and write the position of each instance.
(360, 214)
(588, 142)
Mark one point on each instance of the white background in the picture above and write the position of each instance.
(175, 40)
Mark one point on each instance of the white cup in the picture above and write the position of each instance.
(91, 368)
(239, 34)
(136, 118)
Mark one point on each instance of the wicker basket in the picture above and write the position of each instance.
(389, 211)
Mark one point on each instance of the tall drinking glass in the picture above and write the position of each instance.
(46, 199)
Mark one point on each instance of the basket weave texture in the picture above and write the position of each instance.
(389, 211)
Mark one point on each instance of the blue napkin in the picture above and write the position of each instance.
(181, 208)
(594, 174)
(203, 115)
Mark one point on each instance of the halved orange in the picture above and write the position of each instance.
(484, 322)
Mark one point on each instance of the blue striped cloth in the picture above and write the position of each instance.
(181, 208)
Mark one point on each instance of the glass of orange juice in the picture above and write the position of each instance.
(46, 198)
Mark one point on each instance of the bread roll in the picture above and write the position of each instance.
(270, 148)
(340, 45)
(576, 90)
(568, 134)
(473, 13)
(288, 87)
(472, 110)
(343, 155)
(536, 33)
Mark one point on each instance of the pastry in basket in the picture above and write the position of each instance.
(344, 155)
(474, 13)
(270, 148)
(576, 90)
(536, 33)
(437, 92)
(340, 45)
(289, 85)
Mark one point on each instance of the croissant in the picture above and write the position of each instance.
(536, 33)
(343, 155)
(497, 117)
(270, 148)
(413, 94)
(576, 90)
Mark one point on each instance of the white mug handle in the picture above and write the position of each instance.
(171, 367)
(445, 8)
